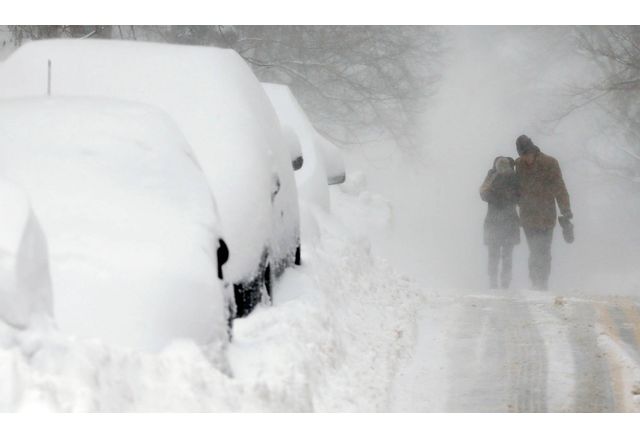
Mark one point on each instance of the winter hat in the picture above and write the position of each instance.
(504, 165)
(524, 145)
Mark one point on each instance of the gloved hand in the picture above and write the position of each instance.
(567, 229)
(568, 215)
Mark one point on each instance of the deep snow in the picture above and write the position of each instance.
(131, 225)
(348, 332)
(217, 103)
(332, 341)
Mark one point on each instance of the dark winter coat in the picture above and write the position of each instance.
(501, 192)
(541, 185)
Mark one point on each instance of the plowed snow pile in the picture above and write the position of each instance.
(332, 340)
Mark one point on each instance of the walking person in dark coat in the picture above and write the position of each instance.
(501, 225)
(541, 186)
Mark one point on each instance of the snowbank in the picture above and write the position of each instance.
(331, 342)
(129, 218)
(25, 283)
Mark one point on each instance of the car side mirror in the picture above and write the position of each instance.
(293, 146)
(223, 256)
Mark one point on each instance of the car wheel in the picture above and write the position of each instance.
(249, 294)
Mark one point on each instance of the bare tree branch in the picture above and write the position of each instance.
(355, 82)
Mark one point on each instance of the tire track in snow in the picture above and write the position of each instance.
(617, 326)
(617, 385)
(497, 359)
(593, 389)
(551, 321)
(632, 314)
(527, 359)
(476, 358)
(528, 352)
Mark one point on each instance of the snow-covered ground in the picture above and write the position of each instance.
(332, 341)
(349, 331)
(523, 351)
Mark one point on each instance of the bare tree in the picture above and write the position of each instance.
(23, 33)
(357, 83)
(614, 53)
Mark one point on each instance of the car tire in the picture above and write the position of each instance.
(249, 294)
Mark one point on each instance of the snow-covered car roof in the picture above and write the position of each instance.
(212, 95)
(292, 115)
(130, 221)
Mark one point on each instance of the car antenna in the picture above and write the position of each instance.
(49, 78)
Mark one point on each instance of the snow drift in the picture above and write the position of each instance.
(339, 326)
(130, 220)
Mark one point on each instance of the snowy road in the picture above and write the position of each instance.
(523, 351)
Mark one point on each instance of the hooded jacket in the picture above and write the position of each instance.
(500, 190)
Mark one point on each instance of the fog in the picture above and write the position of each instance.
(495, 84)
(498, 83)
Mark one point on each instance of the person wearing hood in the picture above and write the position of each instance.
(541, 187)
(501, 225)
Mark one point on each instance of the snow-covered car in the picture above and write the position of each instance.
(226, 117)
(293, 145)
(322, 161)
(25, 282)
(131, 224)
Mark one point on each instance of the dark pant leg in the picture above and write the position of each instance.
(494, 259)
(539, 256)
(507, 262)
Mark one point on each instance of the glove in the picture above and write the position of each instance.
(568, 215)
(567, 229)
